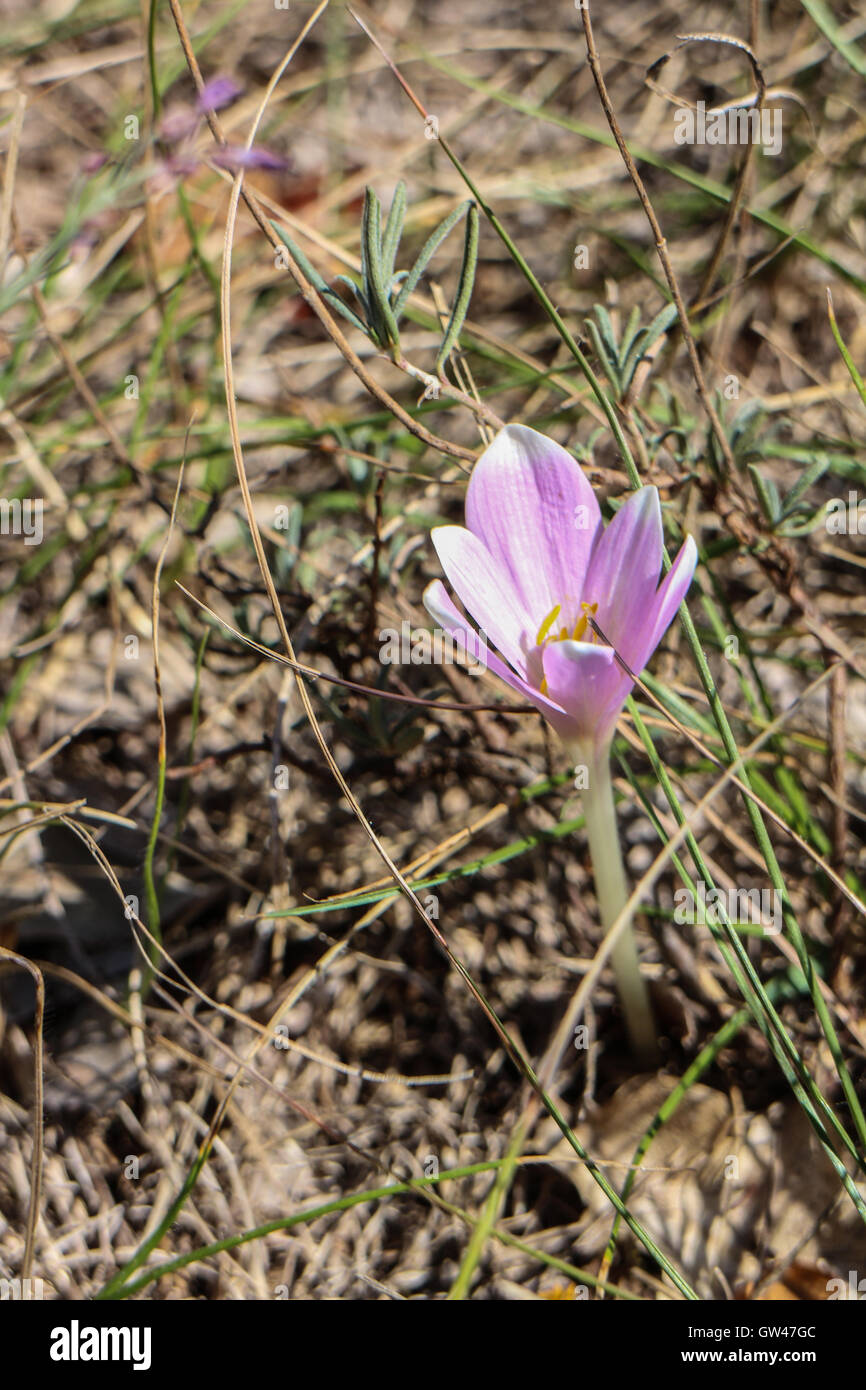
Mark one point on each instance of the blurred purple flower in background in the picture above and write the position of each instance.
(236, 157)
(180, 121)
(219, 92)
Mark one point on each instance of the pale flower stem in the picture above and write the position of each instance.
(612, 893)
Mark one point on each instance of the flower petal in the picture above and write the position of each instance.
(530, 503)
(637, 646)
(486, 591)
(624, 571)
(442, 610)
(671, 592)
(217, 93)
(585, 680)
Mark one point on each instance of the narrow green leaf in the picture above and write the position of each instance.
(802, 485)
(382, 319)
(342, 308)
(606, 329)
(631, 331)
(431, 244)
(354, 289)
(320, 284)
(827, 23)
(805, 528)
(369, 227)
(846, 356)
(312, 274)
(630, 359)
(767, 493)
(345, 1203)
(365, 217)
(608, 364)
(644, 341)
(393, 232)
(464, 288)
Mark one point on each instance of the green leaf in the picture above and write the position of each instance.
(315, 279)
(606, 329)
(382, 319)
(631, 331)
(320, 284)
(342, 308)
(846, 356)
(608, 364)
(431, 244)
(644, 341)
(464, 288)
(802, 485)
(393, 232)
(767, 493)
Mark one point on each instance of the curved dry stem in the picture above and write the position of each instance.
(736, 201)
(660, 242)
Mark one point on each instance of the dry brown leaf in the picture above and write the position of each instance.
(723, 1192)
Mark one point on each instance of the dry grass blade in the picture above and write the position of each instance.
(38, 1121)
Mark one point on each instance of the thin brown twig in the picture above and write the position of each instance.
(310, 671)
(735, 204)
(7, 197)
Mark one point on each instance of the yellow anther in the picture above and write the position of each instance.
(563, 635)
(581, 624)
(547, 624)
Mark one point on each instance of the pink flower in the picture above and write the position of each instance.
(534, 563)
(94, 161)
(177, 123)
(217, 93)
(234, 157)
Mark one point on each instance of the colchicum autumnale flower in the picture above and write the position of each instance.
(534, 563)
(533, 566)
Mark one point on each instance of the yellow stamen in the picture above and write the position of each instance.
(581, 624)
(544, 632)
(547, 624)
